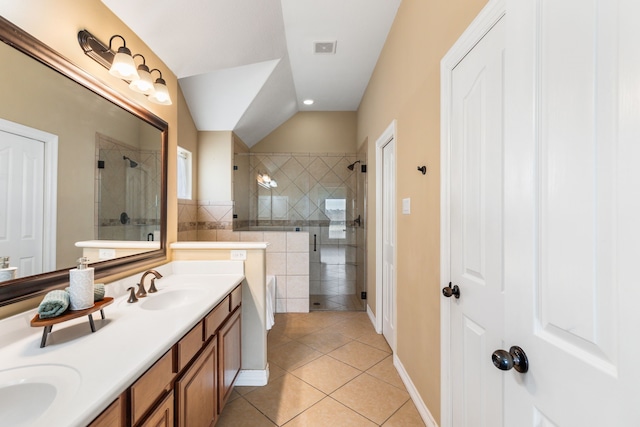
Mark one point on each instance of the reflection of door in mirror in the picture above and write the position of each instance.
(25, 155)
(127, 189)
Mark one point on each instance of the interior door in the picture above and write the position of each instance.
(476, 237)
(572, 212)
(389, 241)
(22, 202)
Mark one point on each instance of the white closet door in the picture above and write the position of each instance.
(572, 212)
(389, 242)
(476, 213)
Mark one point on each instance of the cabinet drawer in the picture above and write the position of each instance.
(216, 317)
(236, 297)
(113, 416)
(162, 416)
(151, 385)
(189, 345)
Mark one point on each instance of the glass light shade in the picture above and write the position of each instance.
(123, 65)
(161, 94)
(144, 84)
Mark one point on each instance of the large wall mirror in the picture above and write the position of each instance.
(78, 162)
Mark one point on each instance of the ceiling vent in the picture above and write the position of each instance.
(324, 47)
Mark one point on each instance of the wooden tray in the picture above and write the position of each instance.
(68, 315)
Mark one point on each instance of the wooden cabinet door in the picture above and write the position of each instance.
(196, 403)
(162, 416)
(113, 416)
(229, 339)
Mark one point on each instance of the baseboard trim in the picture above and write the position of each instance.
(413, 392)
(372, 317)
(253, 377)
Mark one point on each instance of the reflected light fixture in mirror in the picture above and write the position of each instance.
(123, 65)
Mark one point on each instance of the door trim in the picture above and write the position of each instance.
(486, 19)
(50, 187)
(387, 135)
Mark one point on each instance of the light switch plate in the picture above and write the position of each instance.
(238, 255)
(406, 206)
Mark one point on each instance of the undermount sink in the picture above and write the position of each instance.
(171, 299)
(29, 393)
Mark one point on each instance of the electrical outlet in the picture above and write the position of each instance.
(238, 255)
(106, 253)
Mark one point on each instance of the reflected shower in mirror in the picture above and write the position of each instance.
(128, 190)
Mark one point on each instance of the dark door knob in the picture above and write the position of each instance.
(448, 291)
(515, 358)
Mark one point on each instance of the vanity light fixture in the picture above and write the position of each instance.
(308, 102)
(161, 93)
(144, 83)
(123, 65)
(139, 80)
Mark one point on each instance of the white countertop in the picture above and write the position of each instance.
(97, 367)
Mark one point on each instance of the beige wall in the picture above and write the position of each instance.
(406, 86)
(312, 132)
(215, 160)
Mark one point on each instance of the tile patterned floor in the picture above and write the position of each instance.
(326, 369)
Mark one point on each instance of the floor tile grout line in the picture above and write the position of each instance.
(323, 353)
(258, 409)
(397, 410)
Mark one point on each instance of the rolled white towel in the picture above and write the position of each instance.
(271, 301)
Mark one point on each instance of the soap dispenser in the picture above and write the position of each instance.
(81, 286)
(6, 272)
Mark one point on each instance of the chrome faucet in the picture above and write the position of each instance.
(152, 289)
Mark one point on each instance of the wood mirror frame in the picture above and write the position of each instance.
(33, 286)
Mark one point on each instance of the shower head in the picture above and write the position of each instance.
(352, 165)
(132, 164)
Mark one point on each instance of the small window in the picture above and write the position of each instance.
(184, 174)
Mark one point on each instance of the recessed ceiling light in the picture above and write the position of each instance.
(308, 102)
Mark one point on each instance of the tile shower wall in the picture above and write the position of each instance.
(304, 183)
(121, 189)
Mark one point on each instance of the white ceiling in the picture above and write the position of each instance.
(247, 65)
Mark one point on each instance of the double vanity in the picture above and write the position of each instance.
(174, 354)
